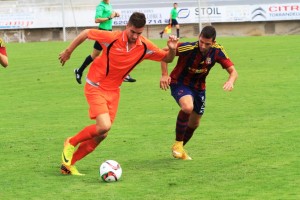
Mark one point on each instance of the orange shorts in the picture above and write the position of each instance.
(102, 101)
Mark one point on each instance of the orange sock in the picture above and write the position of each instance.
(84, 149)
(87, 133)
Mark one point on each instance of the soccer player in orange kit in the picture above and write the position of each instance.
(122, 51)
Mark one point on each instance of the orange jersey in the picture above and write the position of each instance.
(116, 61)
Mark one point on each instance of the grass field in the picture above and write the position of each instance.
(247, 146)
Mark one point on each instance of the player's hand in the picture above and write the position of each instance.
(115, 14)
(172, 42)
(228, 86)
(165, 81)
(64, 56)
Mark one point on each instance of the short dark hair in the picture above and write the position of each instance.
(209, 32)
(137, 20)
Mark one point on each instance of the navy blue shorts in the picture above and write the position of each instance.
(179, 90)
(174, 22)
(96, 44)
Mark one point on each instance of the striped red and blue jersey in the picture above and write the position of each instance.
(192, 67)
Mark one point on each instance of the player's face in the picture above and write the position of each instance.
(133, 33)
(205, 44)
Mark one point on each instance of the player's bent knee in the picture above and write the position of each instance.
(187, 109)
(102, 130)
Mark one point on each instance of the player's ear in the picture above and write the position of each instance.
(128, 25)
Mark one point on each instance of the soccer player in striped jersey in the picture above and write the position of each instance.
(187, 83)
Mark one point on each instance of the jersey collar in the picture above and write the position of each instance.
(125, 39)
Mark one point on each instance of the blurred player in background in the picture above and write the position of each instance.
(187, 83)
(173, 21)
(122, 51)
(3, 54)
(104, 16)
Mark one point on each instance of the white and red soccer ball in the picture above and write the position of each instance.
(110, 171)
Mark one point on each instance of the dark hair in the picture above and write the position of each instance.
(209, 32)
(137, 19)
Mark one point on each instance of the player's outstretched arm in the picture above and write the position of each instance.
(233, 75)
(172, 44)
(66, 54)
(165, 78)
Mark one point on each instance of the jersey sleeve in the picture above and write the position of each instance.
(153, 52)
(99, 11)
(101, 36)
(223, 59)
(94, 34)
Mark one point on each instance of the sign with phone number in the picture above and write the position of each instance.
(154, 21)
(153, 16)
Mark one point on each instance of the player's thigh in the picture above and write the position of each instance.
(102, 102)
(183, 96)
(186, 103)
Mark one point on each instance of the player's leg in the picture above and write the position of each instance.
(186, 104)
(177, 30)
(87, 147)
(184, 98)
(83, 150)
(85, 137)
(103, 108)
(193, 124)
(99, 110)
(198, 111)
(162, 33)
(88, 60)
(194, 120)
(100, 129)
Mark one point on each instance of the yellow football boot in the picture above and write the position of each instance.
(177, 149)
(67, 153)
(185, 156)
(70, 170)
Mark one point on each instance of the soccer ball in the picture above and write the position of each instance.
(110, 171)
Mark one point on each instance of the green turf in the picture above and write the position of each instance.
(247, 146)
